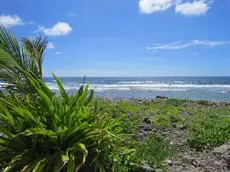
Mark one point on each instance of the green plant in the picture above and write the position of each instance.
(168, 115)
(17, 59)
(175, 102)
(57, 133)
(209, 128)
(131, 119)
(154, 151)
(203, 102)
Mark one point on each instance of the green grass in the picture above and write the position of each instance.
(208, 125)
(155, 150)
(209, 128)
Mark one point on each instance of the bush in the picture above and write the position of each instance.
(57, 133)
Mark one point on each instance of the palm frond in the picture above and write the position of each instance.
(9, 43)
(35, 49)
(20, 59)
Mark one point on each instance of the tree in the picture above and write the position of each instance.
(18, 59)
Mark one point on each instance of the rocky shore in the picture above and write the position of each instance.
(175, 120)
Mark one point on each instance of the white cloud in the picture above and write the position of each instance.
(195, 8)
(59, 53)
(151, 6)
(59, 29)
(189, 8)
(189, 44)
(10, 21)
(50, 45)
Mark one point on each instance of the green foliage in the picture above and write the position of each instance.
(175, 102)
(203, 102)
(131, 114)
(167, 115)
(154, 151)
(119, 107)
(125, 160)
(209, 128)
(57, 133)
(20, 58)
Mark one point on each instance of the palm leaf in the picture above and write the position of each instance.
(61, 89)
(40, 166)
(35, 49)
(20, 59)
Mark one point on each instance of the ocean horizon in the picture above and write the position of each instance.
(194, 88)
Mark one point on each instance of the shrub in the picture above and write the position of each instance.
(57, 133)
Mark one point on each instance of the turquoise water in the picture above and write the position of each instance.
(195, 88)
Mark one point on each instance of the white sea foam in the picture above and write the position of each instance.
(138, 82)
(2, 84)
(224, 91)
(159, 85)
(148, 82)
(140, 85)
(143, 86)
(178, 82)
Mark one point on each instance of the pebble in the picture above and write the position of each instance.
(169, 162)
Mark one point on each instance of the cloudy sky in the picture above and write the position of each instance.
(126, 37)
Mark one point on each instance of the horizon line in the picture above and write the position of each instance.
(131, 76)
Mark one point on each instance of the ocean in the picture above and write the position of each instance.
(194, 88)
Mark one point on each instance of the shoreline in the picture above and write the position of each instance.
(162, 98)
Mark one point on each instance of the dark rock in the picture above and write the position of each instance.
(141, 127)
(147, 129)
(147, 121)
(174, 125)
(161, 97)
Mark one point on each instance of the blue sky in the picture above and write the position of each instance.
(127, 37)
